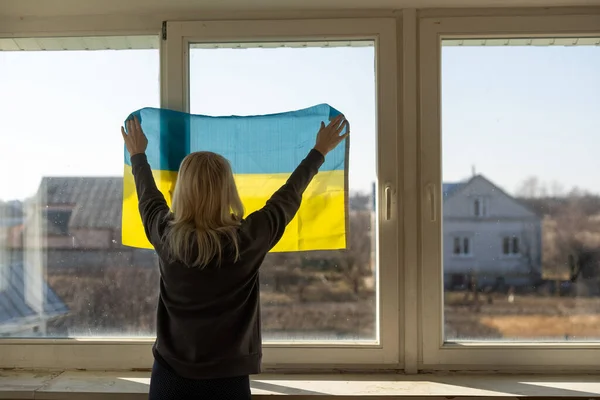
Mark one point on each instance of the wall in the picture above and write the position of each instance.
(486, 246)
(92, 238)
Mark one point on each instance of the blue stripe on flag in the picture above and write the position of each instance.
(262, 144)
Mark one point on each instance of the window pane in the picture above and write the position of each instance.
(520, 130)
(466, 249)
(63, 270)
(318, 295)
(515, 245)
(456, 245)
(506, 245)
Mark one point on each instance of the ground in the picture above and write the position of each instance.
(322, 309)
(528, 317)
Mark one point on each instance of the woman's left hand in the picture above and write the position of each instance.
(135, 140)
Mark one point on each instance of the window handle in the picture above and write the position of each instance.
(388, 201)
(432, 202)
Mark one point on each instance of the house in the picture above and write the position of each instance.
(72, 226)
(78, 220)
(27, 302)
(489, 235)
(80, 212)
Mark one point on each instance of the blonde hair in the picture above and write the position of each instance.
(206, 208)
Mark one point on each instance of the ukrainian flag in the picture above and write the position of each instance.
(263, 151)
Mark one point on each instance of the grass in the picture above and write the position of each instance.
(527, 318)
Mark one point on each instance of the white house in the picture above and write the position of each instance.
(490, 235)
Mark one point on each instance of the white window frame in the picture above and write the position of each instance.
(135, 353)
(383, 31)
(436, 354)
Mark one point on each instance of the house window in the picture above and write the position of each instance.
(462, 246)
(57, 222)
(510, 245)
(480, 208)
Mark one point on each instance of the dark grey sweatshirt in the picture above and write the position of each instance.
(208, 320)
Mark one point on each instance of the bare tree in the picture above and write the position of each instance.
(533, 188)
(570, 236)
(530, 188)
(354, 262)
(360, 202)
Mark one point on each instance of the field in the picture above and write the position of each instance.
(320, 308)
(527, 317)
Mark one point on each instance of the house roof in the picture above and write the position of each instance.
(449, 189)
(12, 299)
(11, 214)
(96, 201)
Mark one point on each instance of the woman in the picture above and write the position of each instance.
(208, 319)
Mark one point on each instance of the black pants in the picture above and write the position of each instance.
(166, 385)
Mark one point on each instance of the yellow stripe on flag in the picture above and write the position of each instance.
(320, 230)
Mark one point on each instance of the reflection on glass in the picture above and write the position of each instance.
(63, 270)
(520, 142)
(319, 295)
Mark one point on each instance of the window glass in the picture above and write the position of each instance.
(63, 270)
(314, 295)
(515, 245)
(520, 134)
(457, 247)
(506, 245)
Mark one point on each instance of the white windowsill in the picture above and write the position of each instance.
(134, 385)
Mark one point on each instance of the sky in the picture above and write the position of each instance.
(508, 112)
(519, 112)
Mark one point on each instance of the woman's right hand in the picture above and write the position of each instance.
(329, 136)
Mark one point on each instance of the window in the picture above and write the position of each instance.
(462, 246)
(340, 304)
(480, 208)
(296, 288)
(57, 221)
(498, 88)
(526, 190)
(510, 245)
(506, 102)
(349, 286)
(66, 273)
